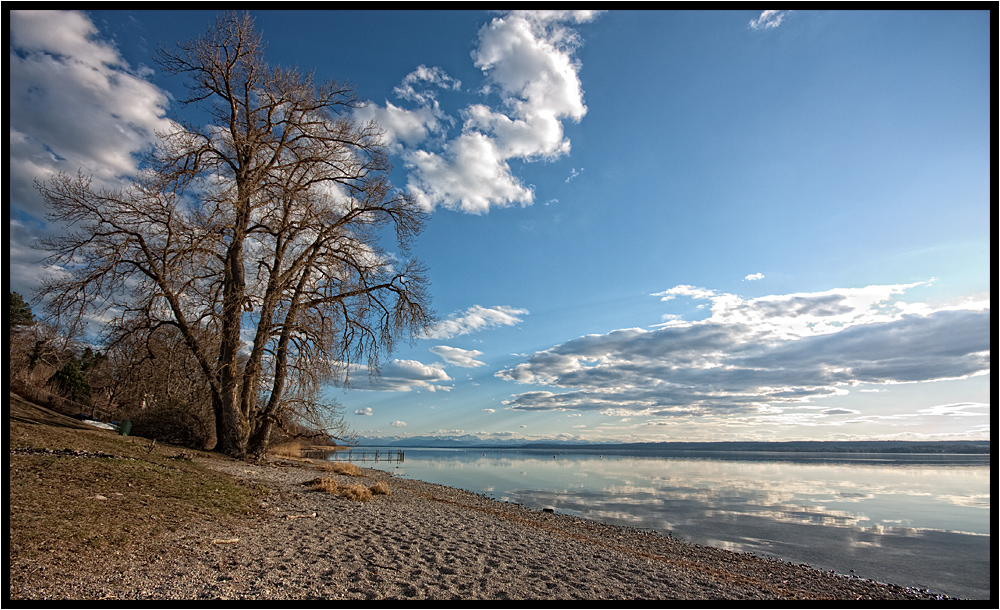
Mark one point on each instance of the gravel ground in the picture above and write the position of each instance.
(424, 541)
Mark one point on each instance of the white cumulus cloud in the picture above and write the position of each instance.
(403, 126)
(774, 350)
(402, 376)
(531, 77)
(457, 356)
(415, 85)
(74, 105)
(768, 20)
(474, 319)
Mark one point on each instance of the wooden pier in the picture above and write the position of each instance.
(369, 455)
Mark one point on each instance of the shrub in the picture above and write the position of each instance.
(175, 423)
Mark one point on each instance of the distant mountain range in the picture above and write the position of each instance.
(465, 440)
(472, 441)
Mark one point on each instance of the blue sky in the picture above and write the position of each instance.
(644, 225)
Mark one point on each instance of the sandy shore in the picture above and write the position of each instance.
(425, 541)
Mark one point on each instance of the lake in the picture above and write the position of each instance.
(917, 520)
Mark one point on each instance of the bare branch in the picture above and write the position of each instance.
(263, 226)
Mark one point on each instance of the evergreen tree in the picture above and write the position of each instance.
(20, 314)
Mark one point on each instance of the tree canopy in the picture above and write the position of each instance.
(256, 237)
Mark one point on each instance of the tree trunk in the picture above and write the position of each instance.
(230, 428)
(231, 422)
(258, 442)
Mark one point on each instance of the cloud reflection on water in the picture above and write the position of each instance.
(891, 521)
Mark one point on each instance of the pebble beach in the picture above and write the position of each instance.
(429, 542)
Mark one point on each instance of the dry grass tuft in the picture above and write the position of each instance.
(356, 491)
(345, 468)
(353, 491)
(380, 489)
(328, 485)
(291, 449)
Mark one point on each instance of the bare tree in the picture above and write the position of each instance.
(258, 237)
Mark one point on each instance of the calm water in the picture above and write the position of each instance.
(919, 521)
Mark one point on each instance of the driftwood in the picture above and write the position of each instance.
(309, 516)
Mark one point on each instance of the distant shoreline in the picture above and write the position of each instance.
(877, 447)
